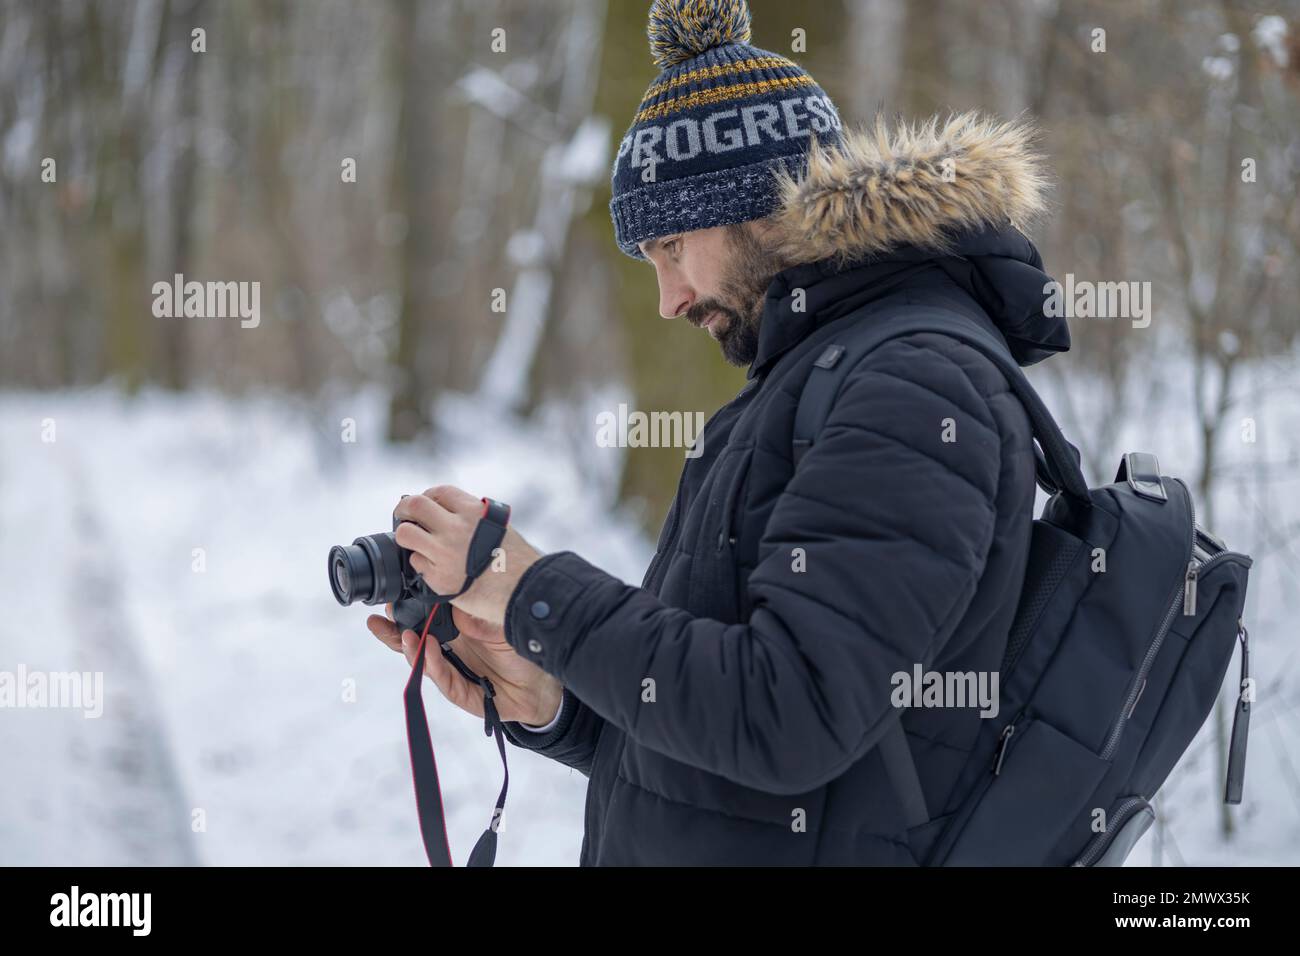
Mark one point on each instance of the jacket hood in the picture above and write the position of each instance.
(910, 185)
(952, 194)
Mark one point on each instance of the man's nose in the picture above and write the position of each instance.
(674, 300)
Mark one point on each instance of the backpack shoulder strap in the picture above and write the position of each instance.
(1058, 461)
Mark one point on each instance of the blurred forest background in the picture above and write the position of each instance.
(481, 134)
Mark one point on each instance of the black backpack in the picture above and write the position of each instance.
(1125, 628)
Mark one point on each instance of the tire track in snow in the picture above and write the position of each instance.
(127, 787)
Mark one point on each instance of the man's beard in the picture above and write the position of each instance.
(740, 301)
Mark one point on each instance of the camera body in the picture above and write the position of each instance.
(375, 569)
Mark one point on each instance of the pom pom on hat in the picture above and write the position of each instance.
(681, 29)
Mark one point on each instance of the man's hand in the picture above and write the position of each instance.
(437, 527)
(524, 691)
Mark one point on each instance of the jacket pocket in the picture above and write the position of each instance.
(715, 588)
(1020, 813)
(701, 790)
(598, 788)
(731, 502)
(726, 486)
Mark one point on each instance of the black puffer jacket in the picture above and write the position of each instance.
(772, 666)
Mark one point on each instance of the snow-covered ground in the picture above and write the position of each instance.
(226, 686)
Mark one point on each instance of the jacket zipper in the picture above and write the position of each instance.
(751, 385)
(672, 530)
(725, 536)
(1098, 844)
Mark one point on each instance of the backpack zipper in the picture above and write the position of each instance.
(1213, 547)
(1004, 740)
(973, 800)
(1184, 594)
(1098, 844)
(1095, 847)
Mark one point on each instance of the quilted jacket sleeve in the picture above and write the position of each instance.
(894, 509)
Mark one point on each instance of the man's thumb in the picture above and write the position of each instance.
(474, 627)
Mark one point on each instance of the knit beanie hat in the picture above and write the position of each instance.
(713, 127)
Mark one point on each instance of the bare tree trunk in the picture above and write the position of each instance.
(417, 370)
(118, 211)
(173, 337)
(505, 380)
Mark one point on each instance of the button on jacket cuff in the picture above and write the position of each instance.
(540, 619)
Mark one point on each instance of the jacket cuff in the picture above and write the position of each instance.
(542, 618)
(543, 728)
(521, 736)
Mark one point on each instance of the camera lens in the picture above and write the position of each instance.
(368, 570)
(352, 576)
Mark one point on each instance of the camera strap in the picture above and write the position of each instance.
(488, 535)
(487, 538)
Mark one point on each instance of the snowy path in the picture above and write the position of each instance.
(129, 787)
(227, 686)
(105, 787)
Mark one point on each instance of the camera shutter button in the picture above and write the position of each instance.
(540, 610)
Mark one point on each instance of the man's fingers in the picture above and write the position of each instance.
(422, 511)
(445, 677)
(422, 565)
(452, 682)
(455, 500)
(409, 642)
(413, 537)
(385, 630)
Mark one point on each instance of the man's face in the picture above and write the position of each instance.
(716, 278)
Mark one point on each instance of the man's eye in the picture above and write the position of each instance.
(672, 246)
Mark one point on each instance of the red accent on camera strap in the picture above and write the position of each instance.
(424, 766)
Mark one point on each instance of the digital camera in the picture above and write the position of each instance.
(375, 569)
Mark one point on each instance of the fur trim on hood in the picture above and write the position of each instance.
(881, 188)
